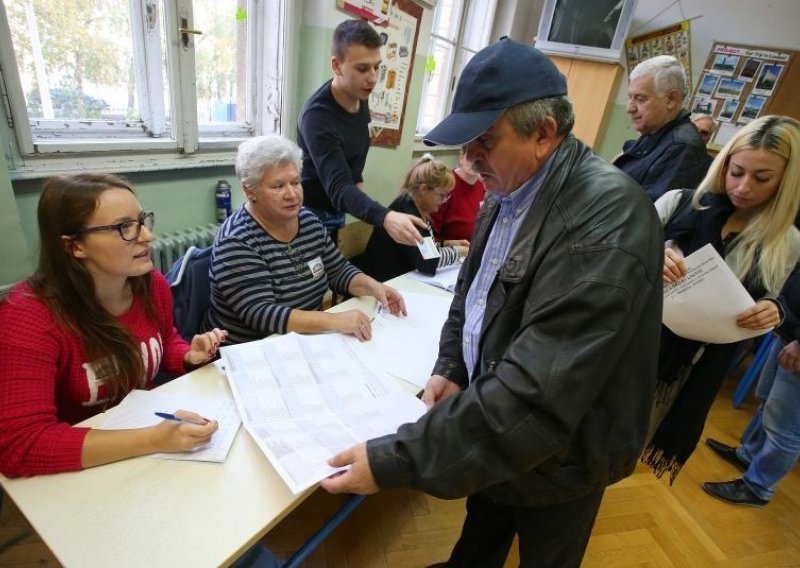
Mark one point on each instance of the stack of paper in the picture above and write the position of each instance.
(137, 410)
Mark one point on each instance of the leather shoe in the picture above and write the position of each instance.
(728, 453)
(735, 492)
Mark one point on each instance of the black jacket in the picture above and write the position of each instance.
(560, 403)
(672, 158)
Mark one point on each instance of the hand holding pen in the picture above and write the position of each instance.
(182, 431)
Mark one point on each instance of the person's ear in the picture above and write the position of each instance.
(336, 65)
(673, 99)
(546, 136)
(73, 247)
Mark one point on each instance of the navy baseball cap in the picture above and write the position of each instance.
(499, 76)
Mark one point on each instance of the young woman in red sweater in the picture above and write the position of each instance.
(93, 323)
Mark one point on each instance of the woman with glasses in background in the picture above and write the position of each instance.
(273, 262)
(427, 186)
(93, 323)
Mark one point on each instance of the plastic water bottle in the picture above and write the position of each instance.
(223, 195)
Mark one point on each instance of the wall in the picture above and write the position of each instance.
(772, 23)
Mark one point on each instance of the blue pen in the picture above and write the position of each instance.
(168, 416)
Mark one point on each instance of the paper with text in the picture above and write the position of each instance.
(406, 347)
(704, 304)
(445, 277)
(137, 410)
(306, 398)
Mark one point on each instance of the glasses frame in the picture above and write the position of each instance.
(146, 219)
(443, 197)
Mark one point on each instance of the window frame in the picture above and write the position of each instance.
(459, 50)
(188, 144)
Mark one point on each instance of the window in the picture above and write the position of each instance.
(461, 28)
(152, 75)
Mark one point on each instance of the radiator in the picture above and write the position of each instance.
(169, 247)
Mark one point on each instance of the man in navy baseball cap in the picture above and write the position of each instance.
(541, 392)
(498, 77)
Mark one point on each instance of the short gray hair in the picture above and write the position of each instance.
(257, 155)
(530, 115)
(667, 72)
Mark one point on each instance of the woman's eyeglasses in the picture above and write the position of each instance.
(128, 230)
(442, 195)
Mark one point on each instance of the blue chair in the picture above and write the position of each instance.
(753, 370)
(191, 290)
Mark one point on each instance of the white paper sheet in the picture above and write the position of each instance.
(306, 398)
(406, 347)
(445, 278)
(137, 410)
(704, 304)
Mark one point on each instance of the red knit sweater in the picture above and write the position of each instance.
(455, 219)
(46, 383)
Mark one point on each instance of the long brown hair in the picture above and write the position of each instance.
(67, 288)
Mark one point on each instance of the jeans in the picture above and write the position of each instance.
(331, 221)
(771, 442)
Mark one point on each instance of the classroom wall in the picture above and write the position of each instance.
(768, 24)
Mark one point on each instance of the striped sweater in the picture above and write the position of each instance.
(256, 280)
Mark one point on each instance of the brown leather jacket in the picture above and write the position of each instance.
(559, 405)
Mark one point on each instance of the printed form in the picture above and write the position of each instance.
(305, 398)
(703, 305)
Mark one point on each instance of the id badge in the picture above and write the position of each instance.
(428, 248)
(316, 267)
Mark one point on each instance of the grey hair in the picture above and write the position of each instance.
(257, 155)
(530, 115)
(704, 116)
(667, 72)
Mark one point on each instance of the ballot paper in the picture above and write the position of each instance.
(304, 398)
(406, 347)
(137, 410)
(703, 305)
(445, 277)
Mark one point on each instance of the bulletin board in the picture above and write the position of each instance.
(739, 83)
(397, 23)
(672, 40)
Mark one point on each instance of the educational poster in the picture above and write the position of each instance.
(377, 11)
(737, 85)
(672, 40)
(397, 23)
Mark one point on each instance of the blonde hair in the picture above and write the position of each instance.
(766, 240)
(429, 171)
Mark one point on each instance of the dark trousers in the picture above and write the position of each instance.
(552, 536)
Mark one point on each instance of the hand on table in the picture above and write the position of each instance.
(173, 436)
(354, 322)
(390, 299)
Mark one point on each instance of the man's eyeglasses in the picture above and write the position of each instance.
(128, 230)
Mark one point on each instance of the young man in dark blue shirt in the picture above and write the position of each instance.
(333, 132)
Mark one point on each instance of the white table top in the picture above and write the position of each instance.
(151, 512)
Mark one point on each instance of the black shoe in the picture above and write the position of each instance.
(728, 453)
(735, 492)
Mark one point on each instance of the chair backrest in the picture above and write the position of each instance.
(191, 290)
(353, 238)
